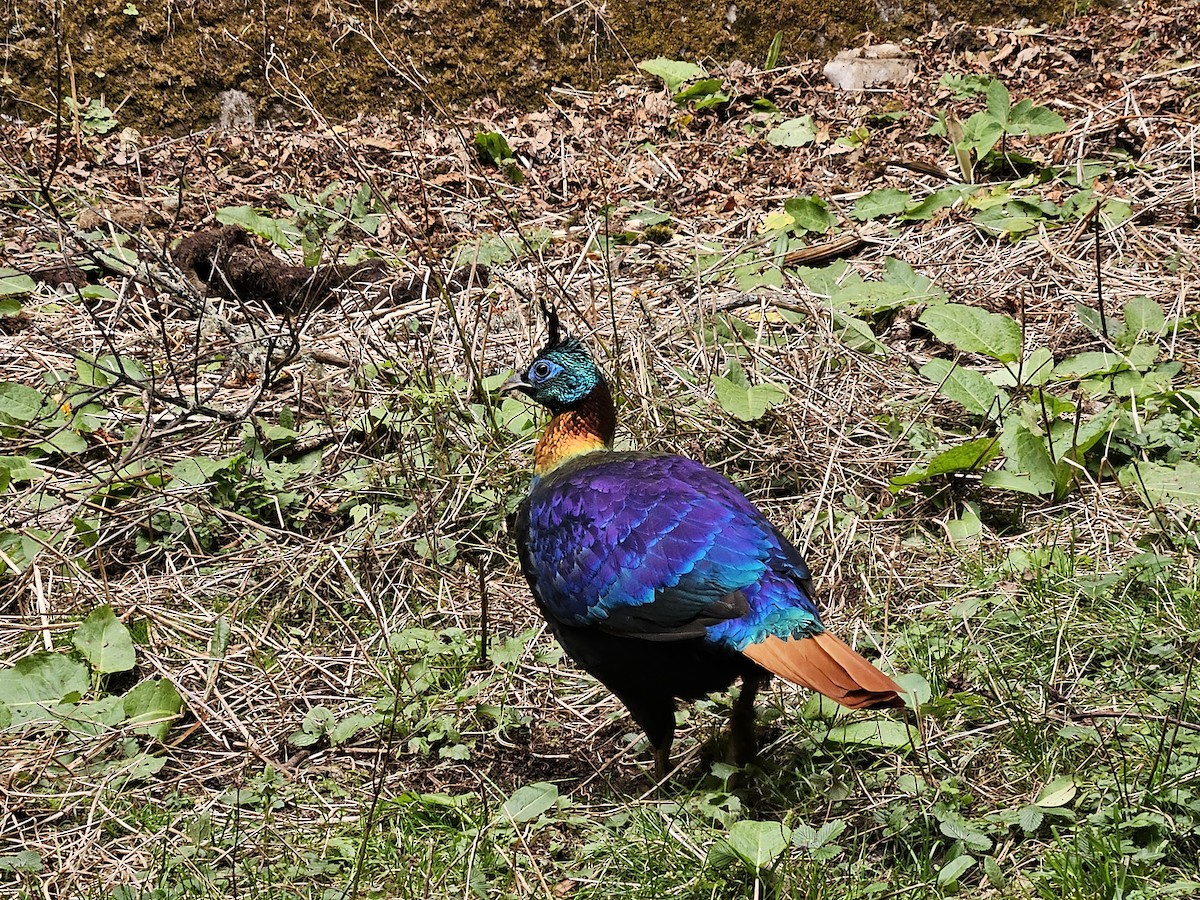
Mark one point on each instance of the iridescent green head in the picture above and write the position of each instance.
(560, 377)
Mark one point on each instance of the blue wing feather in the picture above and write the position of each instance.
(658, 543)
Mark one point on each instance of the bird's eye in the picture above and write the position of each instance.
(541, 369)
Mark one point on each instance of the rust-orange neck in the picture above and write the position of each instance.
(587, 426)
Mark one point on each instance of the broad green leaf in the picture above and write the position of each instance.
(282, 234)
(758, 844)
(492, 147)
(1029, 818)
(1089, 363)
(153, 706)
(1177, 485)
(1144, 316)
(36, 683)
(91, 717)
(14, 282)
(992, 870)
(747, 403)
(706, 92)
(1025, 118)
(955, 826)
(1011, 481)
(999, 101)
(965, 386)
(1026, 454)
(924, 210)
(1059, 792)
(10, 306)
(5, 716)
(530, 801)
(879, 203)
(856, 334)
(64, 442)
(877, 733)
(27, 861)
(793, 132)
(967, 456)
(672, 71)
(915, 686)
(1033, 370)
(810, 214)
(975, 330)
(966, 529)
(18, 469)
(104, 641)
(1090, 430)
(18, 402)
(955, 869)
(917, 287)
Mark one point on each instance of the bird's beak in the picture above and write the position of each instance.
(516, 383)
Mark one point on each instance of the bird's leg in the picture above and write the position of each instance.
(662, 758)
(743, 742)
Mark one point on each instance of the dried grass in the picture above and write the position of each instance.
(311, 612)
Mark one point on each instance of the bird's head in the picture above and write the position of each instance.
(562, 376)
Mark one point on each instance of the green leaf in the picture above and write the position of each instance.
(530, 801)
(974, 330)
(877, 733)
(672, 71)
(966, 529)
(1029, 818)
(773, 51)
(1025, 118)
(280, 233)
(879, 203)
(955, 826)
(104, 641)
(1092, 362)
(917, 287)
(38, 682)
(1033, 370)
(152, 706)
(1144, 316)
(757, 844)
(966, 386)
(18, 403)
(14, 282)
(963, 457)
(747, 403)
(1027, 454)
(924, 210)
(810, 214)
(27, 861)
(995, 876)
(1177, 485)
(492, 147)
(707, 92)
(1059, 792)
(793, 132)
(957, 867)
(999, 101)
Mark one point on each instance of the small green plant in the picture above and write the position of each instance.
(1122, 416)
(93, 117)
(974, 140)
(701, 92)
(54, 690)
(492, 147)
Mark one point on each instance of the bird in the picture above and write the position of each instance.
(658, 576)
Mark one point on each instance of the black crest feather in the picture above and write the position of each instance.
(556, 335)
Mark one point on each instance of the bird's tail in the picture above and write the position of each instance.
(827, 665)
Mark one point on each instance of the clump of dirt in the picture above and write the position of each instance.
(161, 67)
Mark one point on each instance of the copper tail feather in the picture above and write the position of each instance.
(827, 665)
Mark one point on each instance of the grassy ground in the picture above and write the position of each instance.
(250, 556)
